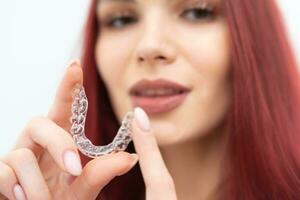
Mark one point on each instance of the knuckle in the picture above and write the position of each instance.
(6, 173)
(22, 155)
(33, 122)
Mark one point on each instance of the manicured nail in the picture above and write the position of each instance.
(74, 62)
(19, 193)
(142, 119)
(135, 158)
(72, 163)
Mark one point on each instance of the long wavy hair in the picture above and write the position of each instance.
(263, 160)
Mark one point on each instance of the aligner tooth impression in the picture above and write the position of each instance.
(79, 112)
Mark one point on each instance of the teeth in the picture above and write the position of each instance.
(158, 92)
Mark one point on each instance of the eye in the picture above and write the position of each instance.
(119, 21)
(198, 13)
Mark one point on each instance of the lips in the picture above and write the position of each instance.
(158, 96)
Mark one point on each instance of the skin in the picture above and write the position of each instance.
(197, 56)
(174, 153)
(35, 163)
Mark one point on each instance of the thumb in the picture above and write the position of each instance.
(99, 172)
(60, 111)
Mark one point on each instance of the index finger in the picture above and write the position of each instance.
(60, 111)
(155, 173)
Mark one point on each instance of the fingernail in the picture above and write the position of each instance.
(18, 192)
(72, 163)
(142, 119)
(135, 158)
(74, 62)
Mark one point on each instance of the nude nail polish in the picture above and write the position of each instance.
(142, 119)
(19, 193)
(72, 162)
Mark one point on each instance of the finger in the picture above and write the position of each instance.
(9, 183)
(60, 111)
(51, 137)
(25, 166)
(98, 172)
(154, 170)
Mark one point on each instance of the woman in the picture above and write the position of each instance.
(216, 78)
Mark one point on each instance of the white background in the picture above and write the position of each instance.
(38, 38)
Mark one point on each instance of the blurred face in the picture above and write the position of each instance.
(170, 57)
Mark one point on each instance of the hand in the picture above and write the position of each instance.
(45, 164)
(158, 181)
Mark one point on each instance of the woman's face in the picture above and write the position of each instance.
(182, 41)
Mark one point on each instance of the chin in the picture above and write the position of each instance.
(168, 134)
(169, 139)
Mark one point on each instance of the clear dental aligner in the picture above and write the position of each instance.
(79, 111)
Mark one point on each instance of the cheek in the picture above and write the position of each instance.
(112, 54)
(207, 49)
(114, 51)
(210, 57)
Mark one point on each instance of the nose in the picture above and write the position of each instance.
(154, 47)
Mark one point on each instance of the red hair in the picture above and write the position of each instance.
(263, 122)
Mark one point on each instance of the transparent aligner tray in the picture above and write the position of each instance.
(79, 111)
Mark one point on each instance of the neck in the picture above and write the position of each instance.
(195, 166)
